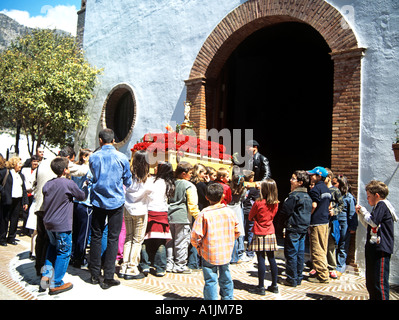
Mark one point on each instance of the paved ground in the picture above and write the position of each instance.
(18, 281)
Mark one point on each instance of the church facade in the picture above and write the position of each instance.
(315, 80)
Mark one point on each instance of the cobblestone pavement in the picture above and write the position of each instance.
(18, 281)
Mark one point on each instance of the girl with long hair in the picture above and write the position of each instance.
(158, 231)
(264, 241)
(136, 215)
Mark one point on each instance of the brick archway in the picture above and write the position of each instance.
(254, 15)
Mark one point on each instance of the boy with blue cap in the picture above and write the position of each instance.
(318, 235)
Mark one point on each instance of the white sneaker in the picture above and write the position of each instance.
(185, 270)
(245, 258)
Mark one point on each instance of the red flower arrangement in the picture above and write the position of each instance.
(173, 141)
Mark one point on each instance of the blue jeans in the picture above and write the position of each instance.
(238, 249)
(153, 250)
(192, 260)
(248, 235)
(57, 258)
(210, 272)
(294, 251)
(343, 246)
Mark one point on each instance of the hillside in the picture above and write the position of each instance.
(10, 30)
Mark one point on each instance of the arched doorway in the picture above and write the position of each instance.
(279, 82)
(252, 16)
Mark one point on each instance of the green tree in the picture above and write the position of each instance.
(44, 88)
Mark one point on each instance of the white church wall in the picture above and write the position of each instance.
(152, 48)
(376, 25)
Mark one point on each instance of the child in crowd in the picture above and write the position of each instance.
(136, 215)
(223, 177)
(182, 205)
(264, 242)
(238, 191)
(82, 214)
(379, 240)
(337, 205)
(198, 179)
(158, 231)
(348, 223)
(296, 209)
(318, 229)
(58, 214)
(214, 233)
(251, 196)
(210, 174)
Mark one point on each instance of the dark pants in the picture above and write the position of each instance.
(9, 220)
(42, 242)
(115, 218)
(377, 273)
(262, 267)
(80, 231)
(25, 214)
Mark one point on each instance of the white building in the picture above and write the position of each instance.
(316, 80)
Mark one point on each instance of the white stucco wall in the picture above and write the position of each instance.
(152, 45)
(376, 25)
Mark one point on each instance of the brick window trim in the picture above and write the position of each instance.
(108, 110)
(254, 15)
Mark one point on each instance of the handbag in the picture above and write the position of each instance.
(4, 183)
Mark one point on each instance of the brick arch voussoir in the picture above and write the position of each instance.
(257, 14)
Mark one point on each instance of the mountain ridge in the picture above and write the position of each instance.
(11, 30)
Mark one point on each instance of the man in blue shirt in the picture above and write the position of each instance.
(111, 170)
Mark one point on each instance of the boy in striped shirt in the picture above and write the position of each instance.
(213, 234)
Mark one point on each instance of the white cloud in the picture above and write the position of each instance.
(59, 17)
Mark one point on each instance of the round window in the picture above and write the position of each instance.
(119, 112)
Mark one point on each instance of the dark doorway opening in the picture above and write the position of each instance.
(279, 82)
(120, 112)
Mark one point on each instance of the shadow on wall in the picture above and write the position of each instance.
(388, 181)
(178, 114)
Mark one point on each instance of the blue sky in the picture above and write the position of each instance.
(60, 14)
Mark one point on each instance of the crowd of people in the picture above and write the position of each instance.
(111, 214)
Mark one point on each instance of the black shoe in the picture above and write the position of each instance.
(273, 289)
(108, 283)
(288, 283)
(4, 244)
(77, 264)
(14, 243)
(146, 272)
(94, 280)
(258, 290)
(134, 277)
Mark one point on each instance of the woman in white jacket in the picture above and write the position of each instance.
(136, 215)
(158, 230)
